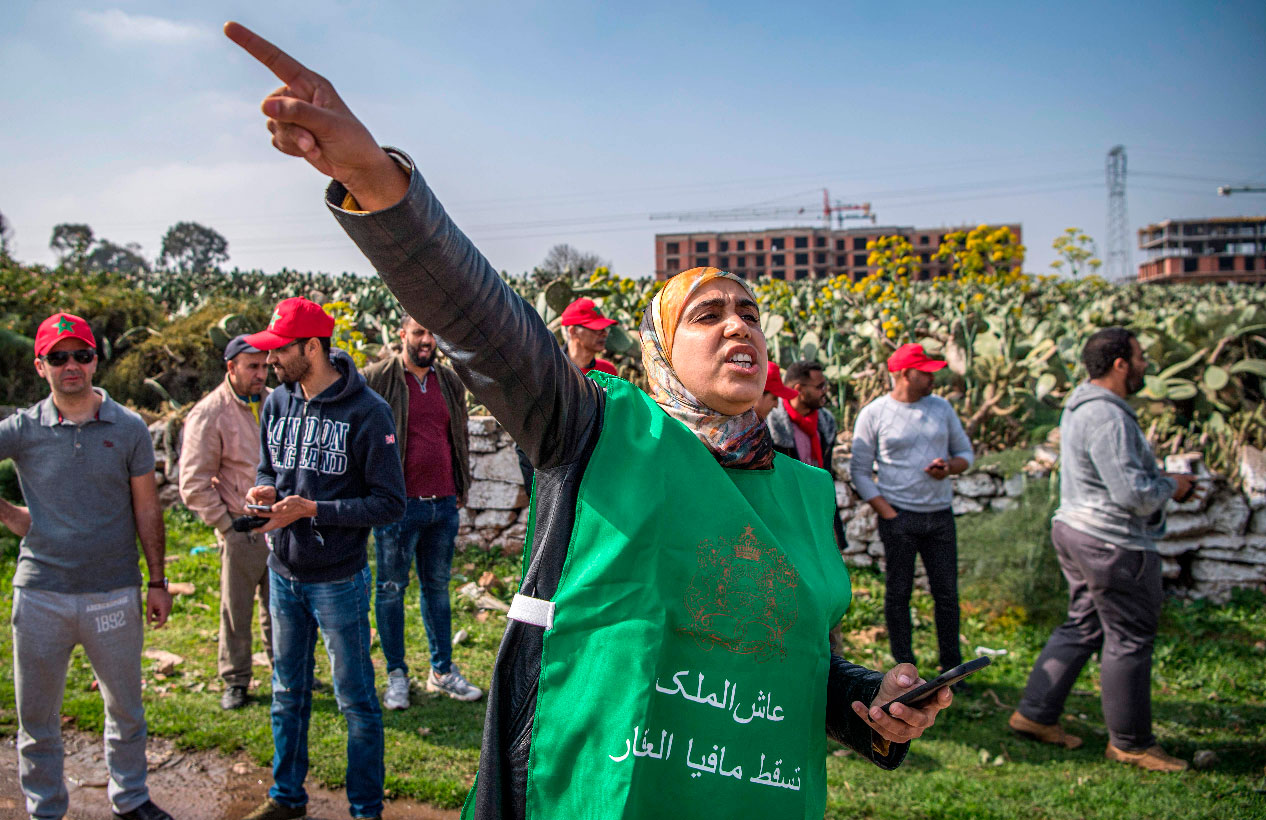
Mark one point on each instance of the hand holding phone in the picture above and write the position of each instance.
(920, 696)
(260, 507)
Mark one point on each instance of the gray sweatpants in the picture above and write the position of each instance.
(1114, 603)
(46, 627)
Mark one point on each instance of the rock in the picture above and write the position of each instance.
(1199, 500)
(846, 514)
(160, 478)
(496, 518)
(1046, 456)
(1170, 569)
(1257, 524)
(1014, 486)
(169, 496)
(1246, 556)
(164, 662)
(876, 548)
(841, 461)
(517, 531)
(1229, 513)
(1256, 501)
(1253, 469)
(511, 548)
(481, 597)
(1204, 759)
(844, 496)
(861, 560)
(975, 485)
(963, 505)
(1181, 526)
(1177, 546)
(852, 547)
(460, 636)
(483, 426)
(181, 587)
(1219, 592)
(863, 523)
(261, 659)
(1003, 503)
(495, 495)
(490, 581)
(500, 466)
(484, 444)
(465, 518)
(1203, 569)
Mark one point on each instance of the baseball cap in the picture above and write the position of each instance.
(62, 326)
(912, 356)
(294, 318)
(773, 384)
(585, 313)
(238, 345)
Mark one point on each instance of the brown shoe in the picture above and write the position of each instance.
(1153, 759)
(1053, 734)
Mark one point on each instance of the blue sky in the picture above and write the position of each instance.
(540, 123)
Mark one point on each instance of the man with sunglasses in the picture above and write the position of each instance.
(86, 468)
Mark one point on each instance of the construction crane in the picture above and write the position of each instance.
(839, 210)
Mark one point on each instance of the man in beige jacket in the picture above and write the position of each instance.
(217, 467)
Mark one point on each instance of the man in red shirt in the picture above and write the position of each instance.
(428, 403)
(587, 332)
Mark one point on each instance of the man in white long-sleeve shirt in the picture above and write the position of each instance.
(917, 442)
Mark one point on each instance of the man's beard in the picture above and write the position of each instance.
(417, 358)
(1134, 382)
(294, 373)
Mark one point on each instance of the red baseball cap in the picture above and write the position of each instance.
(294, 318)
(585, 313)
(773, 384)
(62, 326)
(912, 356)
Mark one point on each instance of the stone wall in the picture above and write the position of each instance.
(1216, 540)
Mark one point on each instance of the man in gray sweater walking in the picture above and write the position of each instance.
(1112, 506)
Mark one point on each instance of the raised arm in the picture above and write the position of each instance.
(497, 343)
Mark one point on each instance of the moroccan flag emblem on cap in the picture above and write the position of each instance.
(294, 318)
(62, 326)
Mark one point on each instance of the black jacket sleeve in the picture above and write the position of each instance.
(845, 683)
(497, 343)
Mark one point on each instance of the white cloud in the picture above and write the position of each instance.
(121, 27)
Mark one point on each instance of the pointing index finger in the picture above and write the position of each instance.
(287, 69)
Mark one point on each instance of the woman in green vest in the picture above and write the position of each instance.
(667, 653)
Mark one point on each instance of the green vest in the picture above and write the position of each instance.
(685, 671)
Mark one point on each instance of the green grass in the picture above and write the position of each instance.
(1209, 693)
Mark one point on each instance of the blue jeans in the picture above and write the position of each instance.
(425, 535)
(341, 610)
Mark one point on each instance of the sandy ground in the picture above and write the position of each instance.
(190, 785)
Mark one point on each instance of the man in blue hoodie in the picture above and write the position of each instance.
(328, 471)
(1112, 507)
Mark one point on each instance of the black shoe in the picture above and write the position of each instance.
(272, 810)
(234, 697)
(145, 811)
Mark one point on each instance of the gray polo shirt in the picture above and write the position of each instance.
(76, 479)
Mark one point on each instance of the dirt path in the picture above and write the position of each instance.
(190, 785)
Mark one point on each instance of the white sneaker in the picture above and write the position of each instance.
(397, 694)
(453, 685)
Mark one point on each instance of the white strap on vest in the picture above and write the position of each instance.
(535, 611)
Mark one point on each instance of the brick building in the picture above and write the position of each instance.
(795, 253)
(1220, 249)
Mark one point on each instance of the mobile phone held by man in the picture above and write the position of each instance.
(260, 507)
(921, 695)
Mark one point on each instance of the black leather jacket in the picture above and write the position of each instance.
(510, 361)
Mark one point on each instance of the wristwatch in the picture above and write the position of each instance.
(160, 584)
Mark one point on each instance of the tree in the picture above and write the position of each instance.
(565, 260)
(192, 248)
(1077, 250)
(107, 256)
(6, 238)
(71, 242)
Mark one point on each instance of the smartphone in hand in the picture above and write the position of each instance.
(260, 507)
(922, 695)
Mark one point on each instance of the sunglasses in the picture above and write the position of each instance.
(59, 358)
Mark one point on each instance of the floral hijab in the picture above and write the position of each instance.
(741, 441)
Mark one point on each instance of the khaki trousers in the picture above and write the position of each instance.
(243, 577)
